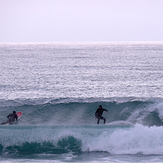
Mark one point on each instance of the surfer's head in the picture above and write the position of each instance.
(14, 112)
(100, 106)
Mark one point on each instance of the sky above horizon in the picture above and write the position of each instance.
(81, 20)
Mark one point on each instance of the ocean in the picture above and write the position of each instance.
(59, 86)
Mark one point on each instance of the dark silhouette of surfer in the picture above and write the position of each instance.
(98, 114)
(11, 118)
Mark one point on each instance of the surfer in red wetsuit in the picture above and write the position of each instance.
(12, 117)
(98, 114)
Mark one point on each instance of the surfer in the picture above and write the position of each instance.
(11, 118)
(98, 114)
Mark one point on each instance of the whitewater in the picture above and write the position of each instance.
(59, 86)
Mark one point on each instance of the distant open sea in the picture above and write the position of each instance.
(59, 86)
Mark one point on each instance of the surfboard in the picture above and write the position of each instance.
(19, 114)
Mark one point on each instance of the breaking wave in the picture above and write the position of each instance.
(62, 126)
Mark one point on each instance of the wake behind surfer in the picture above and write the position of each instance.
(11, 118)
(98, 114)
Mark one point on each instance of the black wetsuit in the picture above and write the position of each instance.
(98, 114)
(12, 117)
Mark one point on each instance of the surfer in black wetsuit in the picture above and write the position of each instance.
(98, 114)
(12, 117)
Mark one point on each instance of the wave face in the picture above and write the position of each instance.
(68, 126)
(81, 111)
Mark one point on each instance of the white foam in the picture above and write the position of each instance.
(139, 139)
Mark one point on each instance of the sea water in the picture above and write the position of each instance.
(59, 86)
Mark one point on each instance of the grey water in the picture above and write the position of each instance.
(81, 70)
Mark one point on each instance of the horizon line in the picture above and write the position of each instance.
(84, 42)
